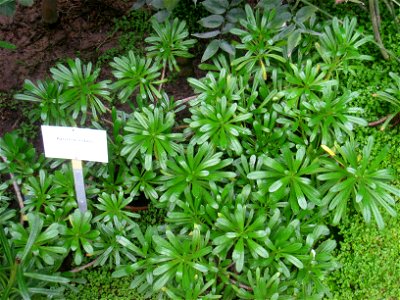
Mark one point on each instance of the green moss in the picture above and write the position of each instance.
(370, 262)
(153, 216)
(131, 30)
(100, 285)
(369, 257)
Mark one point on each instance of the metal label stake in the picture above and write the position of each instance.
(79, 185)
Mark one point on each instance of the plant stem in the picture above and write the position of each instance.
(184, 100)
(11, 281)
(375, 19)
(241, 285)
(378, 122)
(136, 208)
(162, 76)
(17, 192)
(81, 268)
(105, 120)
(180, 127)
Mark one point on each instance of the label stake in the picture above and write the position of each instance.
(79, 185)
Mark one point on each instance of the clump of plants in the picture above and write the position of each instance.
(251, 181)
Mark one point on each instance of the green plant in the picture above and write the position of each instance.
(220, 125)
(193, 170)
(391, 95)
(306, 83)
(82, 92)
(268, 136)
(368, 255)
(42, 244)
(108, 248)
(42, 192)
(180, 259)
(143, 250)
(101, 285)
(18, 276)
(49, 95)
(79, 235)
(225, 15)
(132, 73)
(17, 156)
(287, 177)
(246, 189)
(3, 196)
(263, 286)
(356, 178)
(261, 39)
(239, 230)
(215, 86)
(375, 18)
(7, 45)
(325, 119)
(143, 181)
(113, 211)
(339, 44)
(149, 133)
(169, 42)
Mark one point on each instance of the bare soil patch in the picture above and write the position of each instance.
(83, 30)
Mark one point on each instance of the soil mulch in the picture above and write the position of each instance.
(83, 30)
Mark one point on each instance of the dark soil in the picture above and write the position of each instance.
(83, 30)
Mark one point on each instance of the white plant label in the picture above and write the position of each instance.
(75, 143)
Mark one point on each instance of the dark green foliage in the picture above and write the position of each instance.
(18, 156)
(249, 191)
(288, 177)
(186, 10)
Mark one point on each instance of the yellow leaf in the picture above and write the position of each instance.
(328, 150)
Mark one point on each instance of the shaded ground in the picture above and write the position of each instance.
(83, 30)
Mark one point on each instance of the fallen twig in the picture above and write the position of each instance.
(184, 100)
(103, 119)
(179, 127)
(136, 208)
(241, 285)
(81, 268)
(378, 122)
(17, 192)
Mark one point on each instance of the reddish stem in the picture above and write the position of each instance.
(136, 208)
(378, 122)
